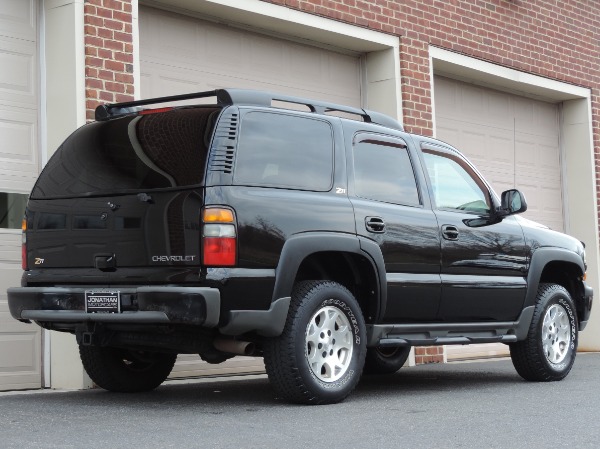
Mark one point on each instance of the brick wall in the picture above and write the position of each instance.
(108, 52)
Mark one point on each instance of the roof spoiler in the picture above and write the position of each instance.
(251, 98)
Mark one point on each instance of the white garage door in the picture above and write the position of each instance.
(514, 142)
(180, 54)
(20, 344)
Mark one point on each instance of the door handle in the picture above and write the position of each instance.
(450, 232)
(375, 224)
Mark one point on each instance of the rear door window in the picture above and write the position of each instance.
(383, 171)
(287, 151)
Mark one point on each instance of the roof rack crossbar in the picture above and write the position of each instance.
(243, 96)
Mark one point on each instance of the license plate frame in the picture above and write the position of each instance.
(102, 301)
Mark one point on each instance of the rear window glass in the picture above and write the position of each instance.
(284, 151)
(131, 153)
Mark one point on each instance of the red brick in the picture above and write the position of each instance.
(124, 57)
(123, 37)
(122, 98)
(105, 33)
(106, 75)
(122, 16)
(114, 65)
(94, 62)
(113, 4)
(94, 83)
(93, 20)
(113, 45)
(114, 87)
(104, 13)
(107, 96)
(113, 24)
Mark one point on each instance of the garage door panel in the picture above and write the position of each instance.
(20, 359)
(536, 117)
(537, 160)
(18, 19)
(489, 148)
(18, 149)
(18, 77)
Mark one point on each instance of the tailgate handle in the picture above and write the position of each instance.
(105, 262)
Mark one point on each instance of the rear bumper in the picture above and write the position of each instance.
(198, 306)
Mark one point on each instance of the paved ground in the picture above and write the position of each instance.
(461, 405)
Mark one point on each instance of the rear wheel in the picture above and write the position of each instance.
(126, 371)
(385, 360)
(318, 359)
(548, 352)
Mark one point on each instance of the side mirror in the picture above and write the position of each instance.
(513, 202)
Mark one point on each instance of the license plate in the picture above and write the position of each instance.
(102, 301)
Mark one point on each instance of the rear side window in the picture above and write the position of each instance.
(142, 152)
(383, 171)
(284, 151)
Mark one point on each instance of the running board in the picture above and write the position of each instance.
(432, 334)
(392, 341)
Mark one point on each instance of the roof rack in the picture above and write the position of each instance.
(250, 98)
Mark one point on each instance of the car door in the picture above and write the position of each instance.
(390, 210)
(484, 259)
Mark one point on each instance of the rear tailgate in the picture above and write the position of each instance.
(123, 193)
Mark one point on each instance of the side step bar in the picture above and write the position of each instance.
(432, 334)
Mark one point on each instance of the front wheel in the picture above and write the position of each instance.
(548, 352)
(126, 371)
(319, 357)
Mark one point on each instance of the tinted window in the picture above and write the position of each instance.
(383, 172)
(52, 221)
(455, 184)
(284, 151)
(131, 153)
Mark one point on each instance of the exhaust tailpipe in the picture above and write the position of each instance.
(234, 346)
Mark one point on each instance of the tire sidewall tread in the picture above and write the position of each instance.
(285, 357)
(108, 371)
(528, 355)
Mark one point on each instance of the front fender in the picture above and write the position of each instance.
(542, 257)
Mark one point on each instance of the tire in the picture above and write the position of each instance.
(548, 352)
(385, 360)
(319, 357)
(125, 371)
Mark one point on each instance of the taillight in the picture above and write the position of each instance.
(219, 237)
(24, 244)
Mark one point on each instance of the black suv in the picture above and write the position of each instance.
(325, 239)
